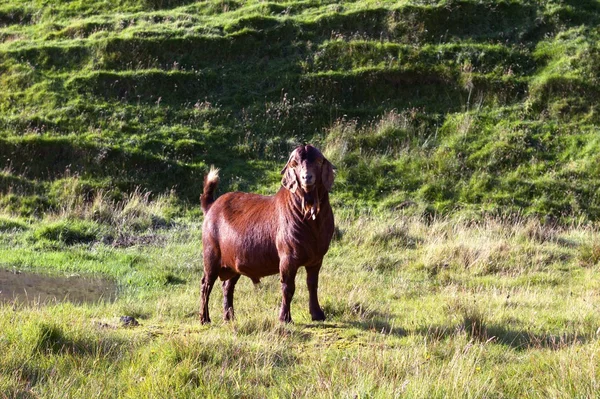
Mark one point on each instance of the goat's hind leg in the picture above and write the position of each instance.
(207, 284)
(211, 272)
(228, 287)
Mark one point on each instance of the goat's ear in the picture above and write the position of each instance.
(289, 179)
(327, 174)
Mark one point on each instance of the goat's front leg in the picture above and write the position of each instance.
(228, 287)
(312, 281)
(287, 272)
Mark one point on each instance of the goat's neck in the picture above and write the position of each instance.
(308, 204)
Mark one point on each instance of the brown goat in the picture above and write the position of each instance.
(256, 236)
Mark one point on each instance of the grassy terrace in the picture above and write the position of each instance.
(465, 135)
(496, 99)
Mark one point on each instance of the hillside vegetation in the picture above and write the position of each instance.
(466, 256)
(489, 105)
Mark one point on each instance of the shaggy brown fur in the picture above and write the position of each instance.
(256, 236)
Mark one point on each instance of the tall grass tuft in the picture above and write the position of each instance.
(137, 211)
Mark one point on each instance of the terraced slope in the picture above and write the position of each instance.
(452, 104)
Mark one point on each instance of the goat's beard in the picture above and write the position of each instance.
(311, 205)
(308, 188)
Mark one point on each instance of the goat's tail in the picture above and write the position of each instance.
(210, 184)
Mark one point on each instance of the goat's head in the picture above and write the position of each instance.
(307, 168)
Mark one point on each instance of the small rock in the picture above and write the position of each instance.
(129, 321)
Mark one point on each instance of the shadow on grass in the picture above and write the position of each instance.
(380, 325)
(523, 340)
(517, 339)
(361, 316)
(127, 168)
(581, 12)
(51, 339)
(259, 326)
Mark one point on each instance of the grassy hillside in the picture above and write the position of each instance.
(451, 104)
(462, 131)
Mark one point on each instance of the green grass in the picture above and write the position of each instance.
(415, 307)
(465, 136)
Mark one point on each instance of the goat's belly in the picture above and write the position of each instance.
(256, 272)
(252, 262)
(258, 264)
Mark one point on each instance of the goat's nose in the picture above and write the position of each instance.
(307, 177)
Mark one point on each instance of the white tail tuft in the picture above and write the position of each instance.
(213, 175)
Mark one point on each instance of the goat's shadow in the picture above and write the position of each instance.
(371, 321)
(379, 325)
(518, 339)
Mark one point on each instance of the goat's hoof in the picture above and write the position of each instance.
(228, 315)
(318, 316)
(204, 320)
(285, 319)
